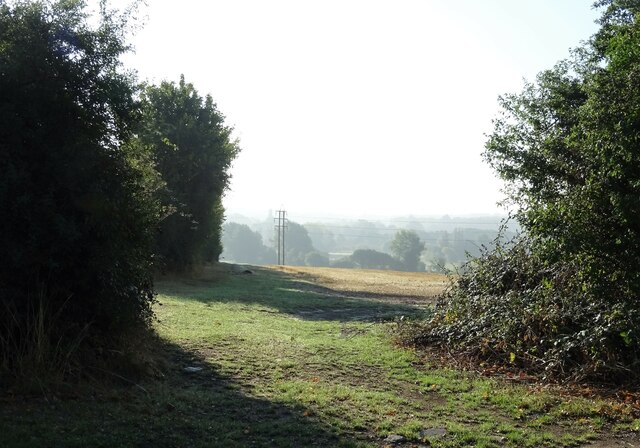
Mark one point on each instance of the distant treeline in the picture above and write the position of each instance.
(445, 243)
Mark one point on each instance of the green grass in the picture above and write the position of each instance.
(284, 365)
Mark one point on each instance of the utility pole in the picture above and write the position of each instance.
(280, 229)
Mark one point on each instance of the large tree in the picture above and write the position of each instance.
(568, 148)
(407, 247)
(193, 149)
(297, 244)
(243, 245)
(565, 297)
(78, 215)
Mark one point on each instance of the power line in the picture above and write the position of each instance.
(375, 229)
(386, 237)
(416, 221)
(280, 228)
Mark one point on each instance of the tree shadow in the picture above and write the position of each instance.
(193, 405)
(225, 413)
(291, 295)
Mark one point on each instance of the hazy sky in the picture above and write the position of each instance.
(355, 108)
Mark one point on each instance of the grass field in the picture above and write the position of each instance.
(301, 357)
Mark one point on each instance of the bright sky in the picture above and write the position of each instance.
(359, 107)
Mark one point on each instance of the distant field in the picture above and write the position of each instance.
(411, 286)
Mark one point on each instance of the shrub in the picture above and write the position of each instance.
(509, 306)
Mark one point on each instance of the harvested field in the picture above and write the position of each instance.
(414, 286)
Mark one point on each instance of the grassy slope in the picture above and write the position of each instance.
(286, 362)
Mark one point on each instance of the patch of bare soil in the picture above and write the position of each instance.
(625, 440)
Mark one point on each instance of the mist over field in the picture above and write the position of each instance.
(312, 240)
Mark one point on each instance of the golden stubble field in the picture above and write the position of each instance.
(410, 286)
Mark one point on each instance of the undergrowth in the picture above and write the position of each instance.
(510, 307)
(40, 353)
(32, 350)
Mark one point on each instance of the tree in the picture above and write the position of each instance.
(317, 259)
(297, 244)
(241, 244)
(344, 263)
(407, 247)
(193, 150)
(563, 297)
(78, 213)
(567, 147)
(372, 259)
(322, 238)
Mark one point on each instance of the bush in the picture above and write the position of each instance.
(509, 306)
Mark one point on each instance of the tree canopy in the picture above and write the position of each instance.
(297, 244)
(372, 259)
(78, 207)
(567, 146)
(98, 175)
(193, 149)
(241, 244)
(407, 247)
(563, 298)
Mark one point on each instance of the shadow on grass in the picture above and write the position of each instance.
(288, 294)
(197, 409)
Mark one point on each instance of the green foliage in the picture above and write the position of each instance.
(317, 259)
(243, 245)
(193, 149)
(511, 306)
(567, 147)
(372, 259)
(297, 244)
(77, 199)
(565, 297)
(344, 263)
(407, 247)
